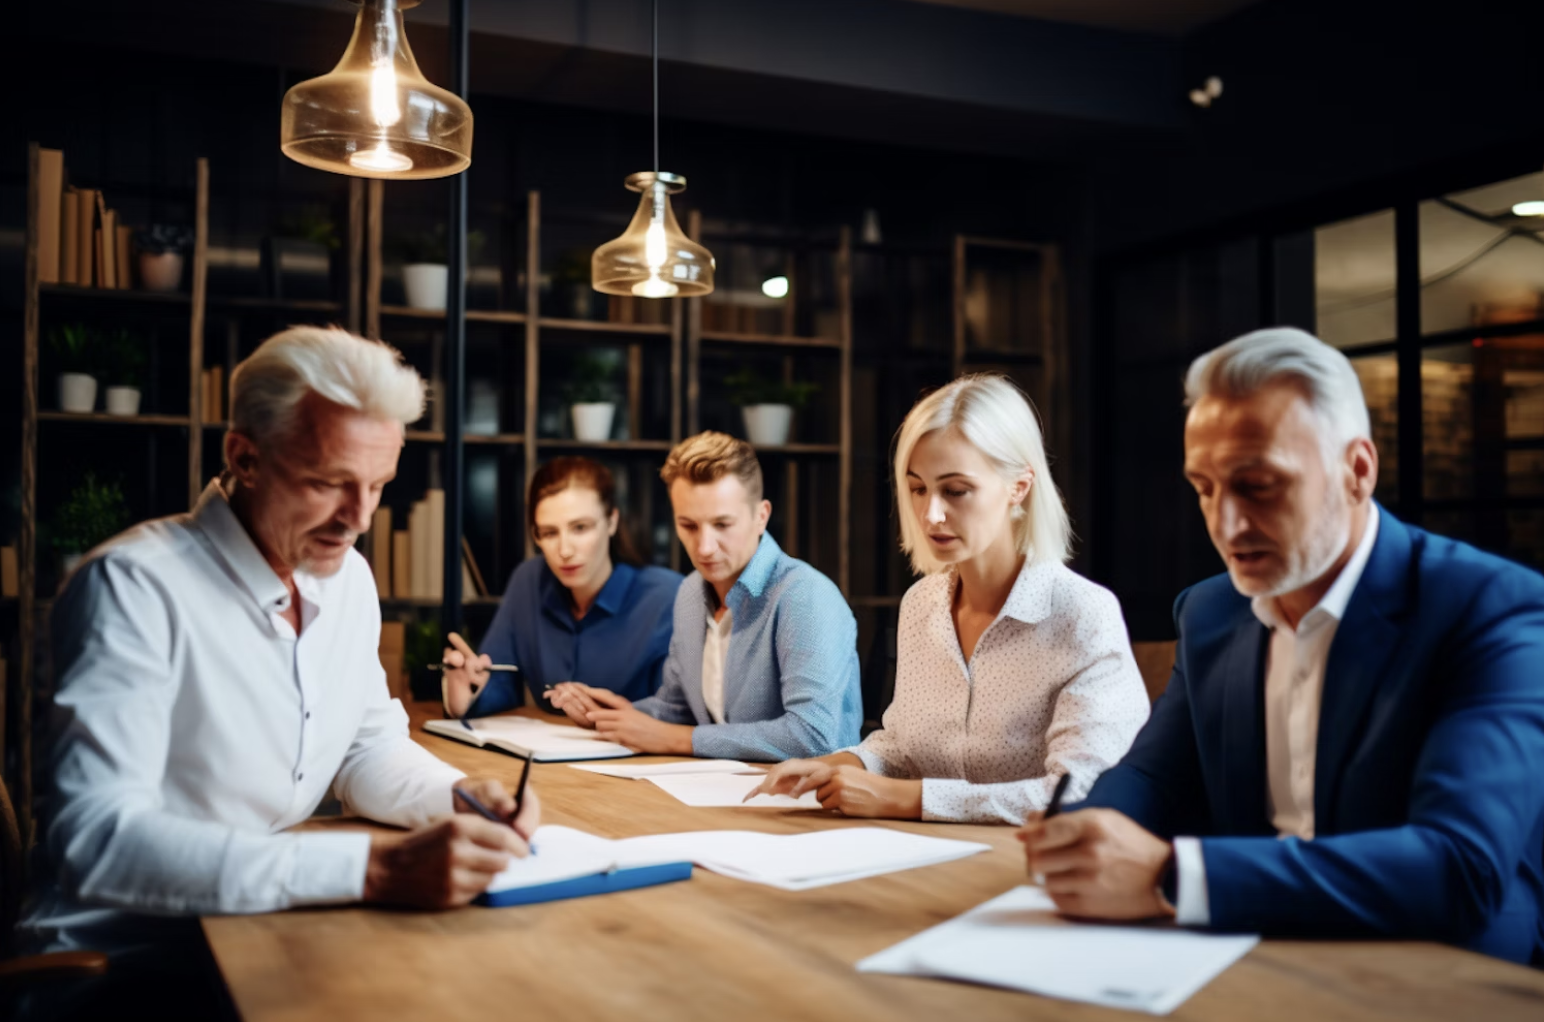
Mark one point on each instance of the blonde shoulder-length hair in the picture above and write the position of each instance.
(996, 417)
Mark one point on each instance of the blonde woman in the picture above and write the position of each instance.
(1011, 669)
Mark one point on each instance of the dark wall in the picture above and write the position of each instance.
(1329, 104)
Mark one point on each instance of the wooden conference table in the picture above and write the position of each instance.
(719, 949)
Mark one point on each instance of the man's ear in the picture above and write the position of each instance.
(242, 457)
(1361, 469)
(763, 514)
(614, 521)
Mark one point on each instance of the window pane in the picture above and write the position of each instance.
(1354, 280)
(1447, 421)
(1480, 263)
(1380, 386)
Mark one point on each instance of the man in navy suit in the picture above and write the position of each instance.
(1352, 741)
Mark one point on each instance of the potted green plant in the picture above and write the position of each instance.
(74, 346)
(125, 371)
(161, 248)
(589, 394)
(425, 275)
(767, 406)
(93, 513)
(298, 260)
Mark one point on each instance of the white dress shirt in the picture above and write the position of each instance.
(194, 727)
(715, 653)
(1294, 684)
(1051, 688)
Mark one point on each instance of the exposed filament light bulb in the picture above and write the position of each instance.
(380, 159)
(655, 251)
(383, 94)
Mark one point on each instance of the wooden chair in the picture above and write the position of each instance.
(1156, 662)
(18, 973)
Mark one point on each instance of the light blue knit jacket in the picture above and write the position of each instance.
(791, 682)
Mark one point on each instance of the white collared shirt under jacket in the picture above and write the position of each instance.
(1051, 688)
(193, 728)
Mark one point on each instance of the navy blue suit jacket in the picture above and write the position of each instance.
(1429, 780)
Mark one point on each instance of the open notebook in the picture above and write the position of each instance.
(547, 743)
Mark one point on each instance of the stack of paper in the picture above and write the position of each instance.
(647, 771)
(1017, 941)
(791, 862)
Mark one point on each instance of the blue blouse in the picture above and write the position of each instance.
(620, 644)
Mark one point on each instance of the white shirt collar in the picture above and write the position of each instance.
(1333, 602)
(215, 518)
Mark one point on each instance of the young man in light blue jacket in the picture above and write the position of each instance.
(763, 663)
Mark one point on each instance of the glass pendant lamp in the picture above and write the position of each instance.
(375, 114)
(653, 258)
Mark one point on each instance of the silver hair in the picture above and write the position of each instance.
(1248, 364)
(999, 421)
(365, 375)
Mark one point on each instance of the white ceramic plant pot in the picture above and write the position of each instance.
(77, 392)
(592, 421)
(122, 400)
(767, 425)
(160, 271)
(426, 284)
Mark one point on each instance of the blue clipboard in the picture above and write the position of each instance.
(596, 883)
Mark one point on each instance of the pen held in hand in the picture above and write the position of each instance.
(442, 666)
(1056, 796)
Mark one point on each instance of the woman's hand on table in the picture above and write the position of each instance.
(465, 673)
(575, 699)
(842, 783)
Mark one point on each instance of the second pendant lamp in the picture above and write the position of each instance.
(653, 258)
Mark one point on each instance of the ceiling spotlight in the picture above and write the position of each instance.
(1209, 90)
(1533, 207)
(775, 287)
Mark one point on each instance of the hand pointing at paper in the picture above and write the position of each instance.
(841, 782)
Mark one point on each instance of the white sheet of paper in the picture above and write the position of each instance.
(792, 862)
(798, 862)
(1017, 941)
(728, 789)
(643, 771)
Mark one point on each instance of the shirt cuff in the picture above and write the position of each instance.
(328, 868)
(872, 763)
(1191, 907)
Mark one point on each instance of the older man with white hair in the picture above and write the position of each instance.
(218, 675)
(1352, 741)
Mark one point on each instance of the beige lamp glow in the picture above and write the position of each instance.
(375, 115)
(653, 258)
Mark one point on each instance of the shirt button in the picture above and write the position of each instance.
(308, 714)
(300, 777)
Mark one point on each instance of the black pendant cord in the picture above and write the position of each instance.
(654, 54)
(452, 395)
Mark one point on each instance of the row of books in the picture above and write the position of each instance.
(409, 564)
(80, 240)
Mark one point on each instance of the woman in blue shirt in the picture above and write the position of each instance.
(585, 610)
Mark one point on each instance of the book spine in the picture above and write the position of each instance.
(401, 565)
(85, 237)
(108, 238)
(50, 213)
(69, 238)
(436, 552)
(380, 551)
(10, 574)
(418, 539)
(125, 260)
(218, 402)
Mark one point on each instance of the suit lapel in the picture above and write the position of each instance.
(1359, 657)
(1241, 674)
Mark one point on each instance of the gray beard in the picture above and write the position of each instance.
(1331, 533)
